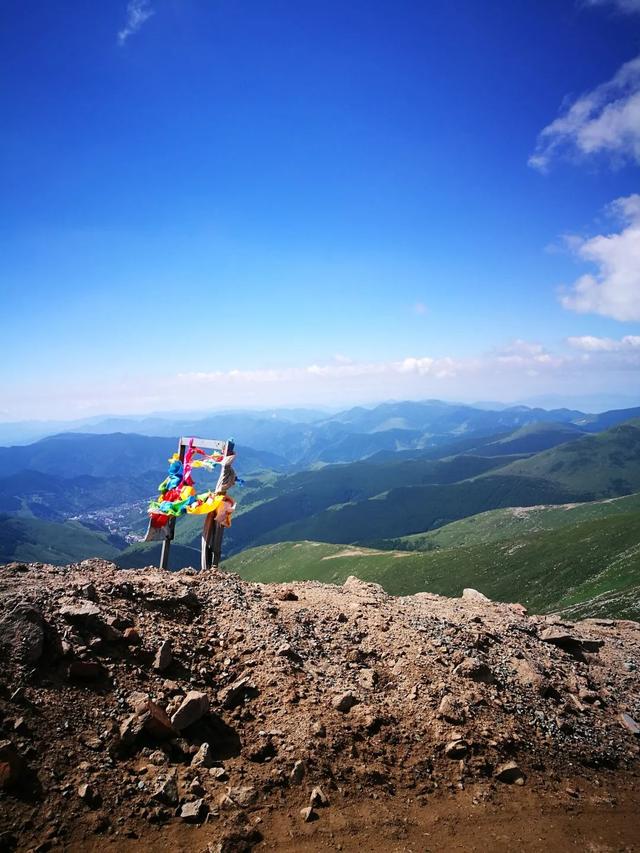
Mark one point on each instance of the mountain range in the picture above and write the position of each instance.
(410, 476)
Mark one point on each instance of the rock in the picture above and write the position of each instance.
(456, 749)
(240, 691)
(510, 774)
(218, 773)
(474, 669)
(474, 595)
(297, 774)
(86, 670)
(156, 722)
(89, 592)
(318, 798)
(630, 724)
(243, 795)
(166, 790)
(164, 657)
(452, 710)
(344, 702)
(132, 636)
(89, 795)
(308, 814)
(88, 616)
(194, 812)
(318, 730)
(192, 708)
(80, 614)
(562, 638)
(203, 757)
(12, 765)
(367, 678)
(22, 634)
(286, 594)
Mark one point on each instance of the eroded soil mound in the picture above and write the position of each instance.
(143, 710)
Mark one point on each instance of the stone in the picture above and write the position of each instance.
(308, 814)
(297, 774)
(318, 797)
(237, 693)
(22, 634)
(89, 592)
(132, 636)
(475, 670)
(456, 749)
(194, 812)
(473, 595)
(452, 710)
(630, 724)
(243, 795)
(318, 730)
(89, 795)
(12, 765)
(510, 774)
(367, 678)
(88, 616)
(286, 594)
(203, 757)
(564, 639)
(166, 790)
(218, 773)
(344, 702)
(164, 657)
(192, 708)
(156, 721)
(85, 670)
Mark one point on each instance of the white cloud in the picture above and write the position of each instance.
(614, 289)
(586, 365)
(588, 343)
(138, 11)
(603, 121)
(629, 6)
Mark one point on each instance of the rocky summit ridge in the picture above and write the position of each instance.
(146, 710)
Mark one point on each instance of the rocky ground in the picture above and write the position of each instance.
(153, 711)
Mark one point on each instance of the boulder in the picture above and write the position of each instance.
(194, 812)
(510, 774)
(473, 595)
(203, 757)
(474, 669)
(344, 702)
(192, 708)
(22, 634)
(166, 790)
(240, 691)
(456, 749)
(452, 710)
(164, 657)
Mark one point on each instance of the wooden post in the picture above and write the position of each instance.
(171, 524)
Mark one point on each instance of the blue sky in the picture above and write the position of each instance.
(230, 203)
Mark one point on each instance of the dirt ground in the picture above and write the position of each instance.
(153, 712)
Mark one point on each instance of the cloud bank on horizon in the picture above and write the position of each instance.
(582, 365)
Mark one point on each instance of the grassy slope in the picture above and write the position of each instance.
(498, 524)
(31, 539)
(603, 465)
(548, 570)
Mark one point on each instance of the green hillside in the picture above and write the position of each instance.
(514, 521)
(32, 539)
(398, 512)
(603, 465)
(547, 571)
